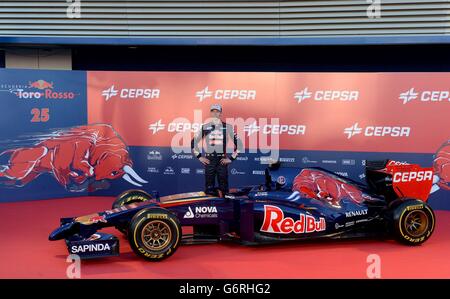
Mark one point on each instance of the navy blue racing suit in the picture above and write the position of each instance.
(215, 136)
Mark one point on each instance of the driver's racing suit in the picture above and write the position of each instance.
(215, 136)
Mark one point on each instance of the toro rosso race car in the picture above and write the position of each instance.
(291, 204)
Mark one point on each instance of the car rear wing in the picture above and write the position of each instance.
(395, 179)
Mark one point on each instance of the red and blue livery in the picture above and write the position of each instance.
(292, 204)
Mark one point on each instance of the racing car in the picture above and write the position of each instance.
(291, 204)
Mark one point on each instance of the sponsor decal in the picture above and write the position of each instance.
(306, 160)
(182, 156)
(349, 162)
(90, 248)
(329, 161)
(326, 95)
(409, 176)
(281, 180)
(234, 171)
(154, 155)
(200, 171)
(185, 170)
(430, 96)
(174, 127)
(356, 213)
(287, 160)
(201, 212)
(414, 207)
(225, 94)
(130, 93)
(152, 170)
(242, 158)
(39, 89)
(97, 218)
(377, 131)
(275, 222)
(342, 173)
(169, 170)
(259, 172)
(275, 129)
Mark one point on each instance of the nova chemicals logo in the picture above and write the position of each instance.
(130, 93)
(424, 96)
(225, 94)
(377, 131)
(201, 212)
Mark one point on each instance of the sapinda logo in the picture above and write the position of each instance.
(275, 222)
(377, 131)
(326, 95)
(425, 96)
(226, 94)
(276, 129)
(409, 176)
(99, 247)
(130, 93)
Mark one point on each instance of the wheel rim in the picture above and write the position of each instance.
(156, 235)
(416, 223)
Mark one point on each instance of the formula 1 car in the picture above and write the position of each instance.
(291, 204)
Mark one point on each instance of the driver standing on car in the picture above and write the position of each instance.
(215, 159)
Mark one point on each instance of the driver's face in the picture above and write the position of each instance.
(215, 113)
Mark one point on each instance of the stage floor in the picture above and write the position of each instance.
(25, 252)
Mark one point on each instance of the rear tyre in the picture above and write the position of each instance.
(413, 222)
(154, 234)
(126, 198)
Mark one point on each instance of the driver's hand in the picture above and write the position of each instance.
(203, 160)
(225, 161)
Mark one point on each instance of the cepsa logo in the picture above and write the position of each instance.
(410, 176)
(131, 93)
(434, 96)
(275, 129)
(377, 131)
(275, 222)
(326, 95)
(174, 127)
(226, 94)
(41, 89)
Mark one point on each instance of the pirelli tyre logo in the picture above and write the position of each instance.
(275, 222)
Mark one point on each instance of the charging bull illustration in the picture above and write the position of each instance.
(441, 165)
(315, 184)
(76, 157)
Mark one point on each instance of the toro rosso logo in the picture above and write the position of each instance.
(41, 89)
(275, 222)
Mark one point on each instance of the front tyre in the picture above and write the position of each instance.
(126, 198)
(154, 234)
(413, 222)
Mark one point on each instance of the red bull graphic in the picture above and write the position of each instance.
(441, 165)
(41, 84)
(322, 186)
(76, 157)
